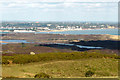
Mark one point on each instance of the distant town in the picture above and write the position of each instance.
(53, 26)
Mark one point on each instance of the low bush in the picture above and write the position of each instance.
(10, 77)
(42, 75)
(27, 58)
(89, 73)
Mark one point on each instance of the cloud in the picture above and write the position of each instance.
(19, 1)
(49, 5)
(56, 6)
(94, 5)
(19, 9)
(28, 5)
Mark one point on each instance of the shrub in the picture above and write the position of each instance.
(10, 77)
(23, 44)
(27, 58)
(42, 75)
(5, 61)
(89, 73)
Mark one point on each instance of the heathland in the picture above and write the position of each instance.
(45, 59)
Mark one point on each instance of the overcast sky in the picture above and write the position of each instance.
(59, 10)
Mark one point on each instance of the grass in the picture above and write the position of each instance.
(61, 64)
(26, 58)
(64, 68)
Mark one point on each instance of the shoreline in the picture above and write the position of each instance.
(59, 30)
(76, 30)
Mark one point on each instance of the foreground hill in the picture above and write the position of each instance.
(69, 64)
(64, 69)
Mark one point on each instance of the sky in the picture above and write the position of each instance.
(59, 10)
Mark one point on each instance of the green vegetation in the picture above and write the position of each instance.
(41, 75)
(101, 67)
(89, 73)
(10, 77)
(92, 63)
(27, 58)
(23, 44)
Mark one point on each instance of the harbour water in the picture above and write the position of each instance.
(13, 41)
(24, 41)
(80, 46)
(95, 31)
(77, 32)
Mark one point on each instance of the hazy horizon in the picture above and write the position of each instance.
(67, 21)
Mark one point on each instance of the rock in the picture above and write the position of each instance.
(32, 53)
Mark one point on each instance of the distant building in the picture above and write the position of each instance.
(49, 24)
(23, 31)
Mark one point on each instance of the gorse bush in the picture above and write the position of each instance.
(27, 58)
(89, 73)
(42, 75)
